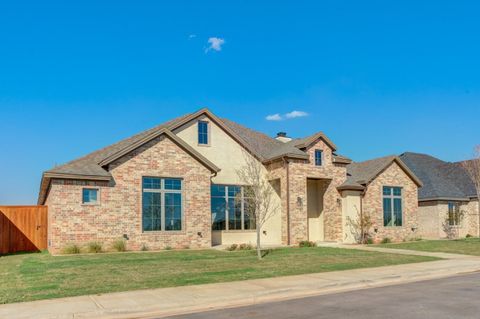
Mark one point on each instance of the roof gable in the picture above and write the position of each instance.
(361, 174)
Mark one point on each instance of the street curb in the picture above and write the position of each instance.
(276, 296)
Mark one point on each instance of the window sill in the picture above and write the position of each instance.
(163, 232)
(90, 205)
(203, 145)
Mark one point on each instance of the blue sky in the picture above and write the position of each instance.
(378, 77)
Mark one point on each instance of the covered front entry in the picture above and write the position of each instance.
(315, 208)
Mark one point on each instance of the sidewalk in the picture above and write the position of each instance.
(170, 301)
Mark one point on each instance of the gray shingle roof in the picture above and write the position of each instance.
(440, 179)
(263, 146)
(364, 172)
(359, 174)
(88, 164)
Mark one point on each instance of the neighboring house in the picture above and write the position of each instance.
(176, 185)
(448, 199)
(385, 190)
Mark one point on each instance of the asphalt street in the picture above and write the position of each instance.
(454, 297)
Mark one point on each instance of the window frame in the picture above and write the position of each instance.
(206, 135)
(162, 191)
(320, 158)
(392, 198)
(227, 212)
(455, 217)
(96, 202)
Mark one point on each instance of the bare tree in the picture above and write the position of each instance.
(472, 167)
(259, 195)
(360, 227)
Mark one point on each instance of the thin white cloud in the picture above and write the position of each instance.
(274, 117)
(191, 36)
(215, 44)
(287, 116)
(295, 114)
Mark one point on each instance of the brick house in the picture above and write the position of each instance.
(448, 203)
(176, 185)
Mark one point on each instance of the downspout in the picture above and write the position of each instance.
(285, 161)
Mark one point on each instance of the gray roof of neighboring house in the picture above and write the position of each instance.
(441, 180)
(359, 174)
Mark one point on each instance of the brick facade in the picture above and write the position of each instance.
(433, 216)
(372, 204)
(119, 210)
(299, 171)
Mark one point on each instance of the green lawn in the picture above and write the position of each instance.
(468, 246)
(42, 276)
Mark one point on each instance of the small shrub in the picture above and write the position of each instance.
(186, 247)
(369, 241)
(468, 236)
(71, 249)
(94, 247)
(168, 248)
(386, 240)
(144, 247)
(120, 245)
(307, 243)
(232, 247)
(245, 247)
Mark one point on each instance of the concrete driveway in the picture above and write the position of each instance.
(454, 297)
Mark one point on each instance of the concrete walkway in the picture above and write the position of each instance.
(178, 300)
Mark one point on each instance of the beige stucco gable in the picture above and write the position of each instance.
(222, 149)
(226, 153)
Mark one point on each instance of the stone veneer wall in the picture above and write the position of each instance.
(299, 171)
(372, 204)
(120, 208)
(433, 215)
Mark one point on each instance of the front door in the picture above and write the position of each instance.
(315, 192)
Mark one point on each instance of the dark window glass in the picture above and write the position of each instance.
(152, 211)
(231, 208)
(202, 132)
(173, 211)
(318, 157)
(89, 195)
(387, 191)
(397, 211)
(387, 212)
(161, 204)
(453, 214)
(397, 191)
(175, 184)
(392, 206)
(218, 213)
(151, 183)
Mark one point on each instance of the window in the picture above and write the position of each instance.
(453, 214)
(161, 204)
(318, 157)
(392, 206)
(232, 208)
(90, 196)
(202, 132)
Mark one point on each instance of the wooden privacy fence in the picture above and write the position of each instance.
(23, 228)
